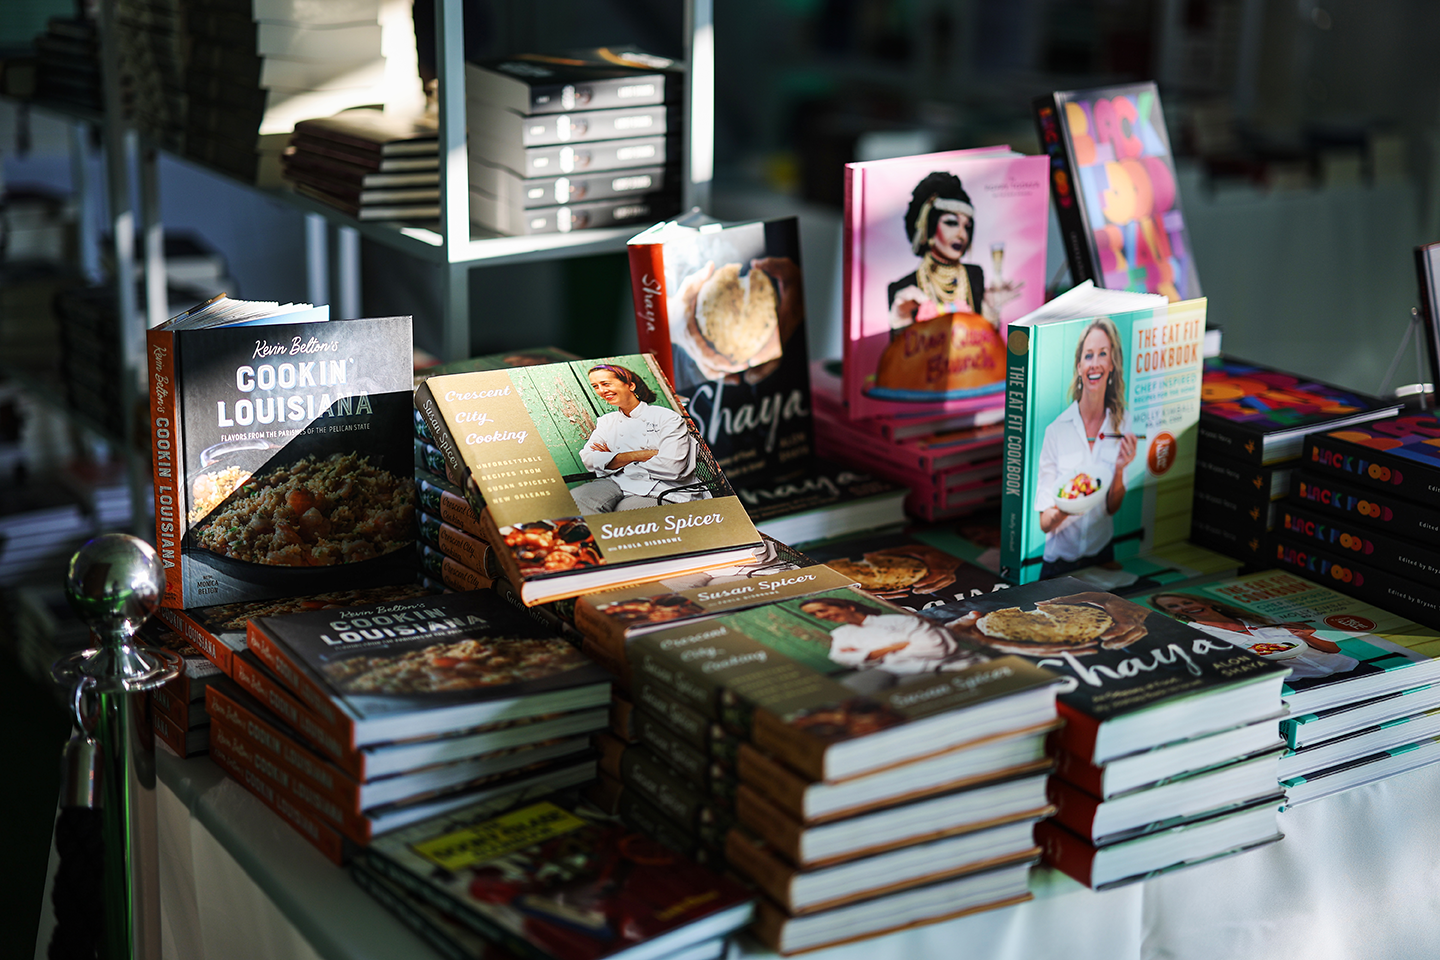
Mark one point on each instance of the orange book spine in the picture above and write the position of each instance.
(268, 765)
(339, 783)
(173, 736)
(652, 321)
(198, 637)
(316, 699)
(323, 837)
(289, 709)
(168, 458)
(166, 700)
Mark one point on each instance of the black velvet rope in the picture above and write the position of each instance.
(79, 913)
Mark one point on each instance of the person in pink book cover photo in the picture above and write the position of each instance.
(940, 223)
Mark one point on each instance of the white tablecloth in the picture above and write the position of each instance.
(1357, 876)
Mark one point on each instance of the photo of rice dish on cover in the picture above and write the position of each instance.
(456, 666)
(314, 512)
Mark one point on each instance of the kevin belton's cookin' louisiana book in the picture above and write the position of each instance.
(586, 474)
(282, 451)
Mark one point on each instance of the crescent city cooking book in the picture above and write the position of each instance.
(1113, 181)
(586, 475)
(941, 252)
(1102, 399)
(281, 453)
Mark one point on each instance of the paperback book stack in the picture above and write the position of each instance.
(368, 163)
(950, 464)
(256, 69)
(1361, 517)
(1362, 695)
(1253, 422)
(721, 306)
(352, 723)
(864, 769)
(572, 143)
(1168, 753)
(545, 876)
(941, 253)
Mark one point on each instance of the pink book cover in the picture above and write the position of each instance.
(941, 252)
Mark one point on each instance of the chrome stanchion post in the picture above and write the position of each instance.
(115, 582)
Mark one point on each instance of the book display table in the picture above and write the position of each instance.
(1354, 877)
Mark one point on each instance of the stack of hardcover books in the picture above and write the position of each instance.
(545, 876)
(256, 69)
(926, 317)
(177, 708)
(1168, 753)
(863, 768)
(1361, 515)
(1362, 691)
(371, 164)
(1253, 423)
(352, 722)
(572, 143)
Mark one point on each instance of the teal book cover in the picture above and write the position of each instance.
(1100, 429)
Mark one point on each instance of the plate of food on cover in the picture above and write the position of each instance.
(1079, 623)
(457, 668)
(313, 519)
(1080, 494)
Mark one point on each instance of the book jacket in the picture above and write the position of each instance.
(1073, 499)
(585, 465)
(722, 308)
(941, 251)
(1112, 177)
(281, 458)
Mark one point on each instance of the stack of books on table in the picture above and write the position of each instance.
(1362, 694)
(546, 876)
(350, 724)
(561, 144)
(256, 69)
(1253, 423)
(177, 708)
(950, 462)
(368, 163)
(865, 770)
(1361, 516)
(1169, 749)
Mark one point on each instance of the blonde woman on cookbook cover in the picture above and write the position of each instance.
(1089, 441)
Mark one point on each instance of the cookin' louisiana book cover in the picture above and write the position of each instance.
(281, 454)
(941, 252)
(586, 474)
(426, 665)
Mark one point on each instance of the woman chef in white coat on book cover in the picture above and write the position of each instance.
(1091, 436)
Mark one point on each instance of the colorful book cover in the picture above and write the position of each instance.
(585, 474)
(1119, 660)
(1113, 180)
(1259, 415)
(546, 878)
(1100, 433)
(1399, 455)
(722, 308)
(925, 308)
(906, 571)
(281, 460)
(1338, 649)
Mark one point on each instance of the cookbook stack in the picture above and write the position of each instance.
(255, 69)
(353, 722)
(1168, 753)
(1361, 515)
(864, 769)
(1362, 695)
(950, 462)
(368, 163)
(572, 143)
(1253, 423)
